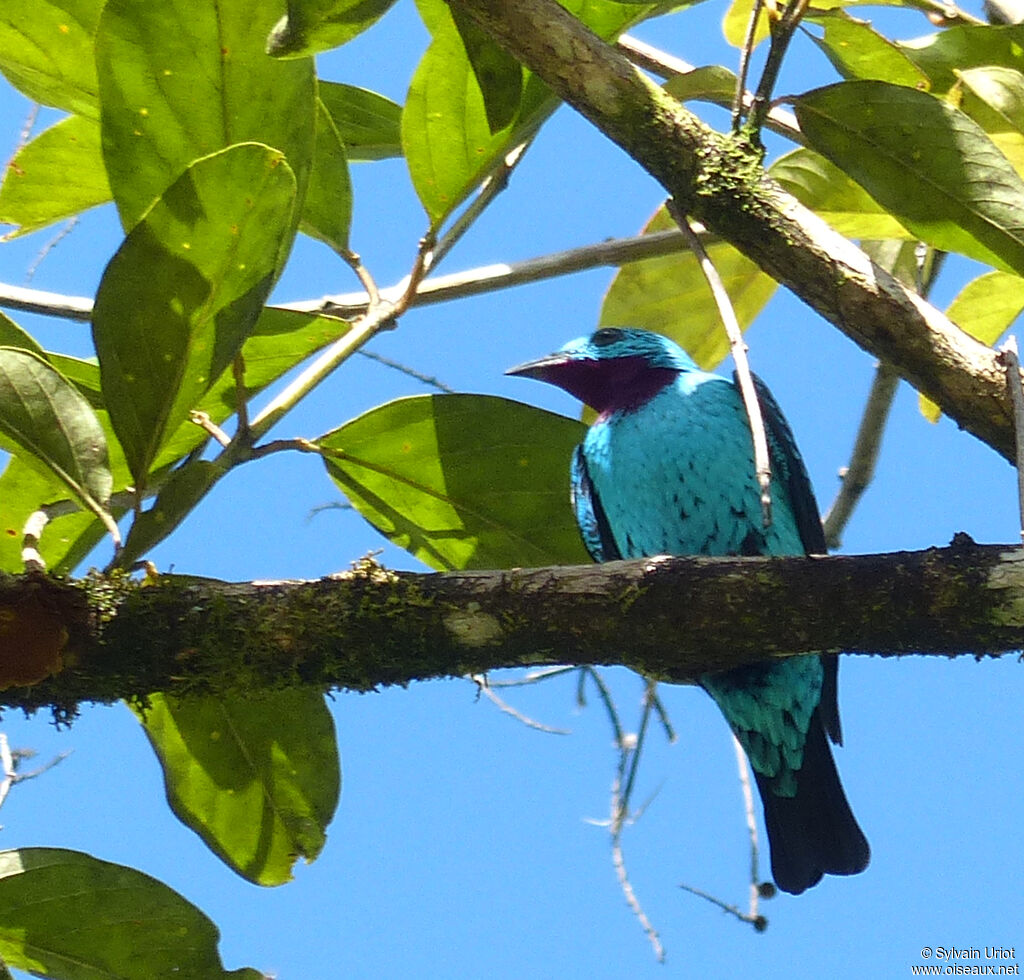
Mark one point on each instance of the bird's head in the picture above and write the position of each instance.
(613, 369)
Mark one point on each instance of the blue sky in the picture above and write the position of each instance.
(461, 846)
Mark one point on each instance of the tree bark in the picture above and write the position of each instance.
(669, 618)
(720, 181)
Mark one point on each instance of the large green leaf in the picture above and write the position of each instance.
(257, 779)
(670, 295)
(311, 26)
(924, 160)
(369, 124)
(856, 50)
(68, 915)
(498, 74)
(185, 289)
(835, 196)
(46, 51)
(462, 481)
(447, 134)
(180, 80)
(46, 421)
(58, 174)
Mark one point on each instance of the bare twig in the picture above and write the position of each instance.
(748, 808)
(739, 101)
(782, 34)
(49, 246)
(856, 477)
(762, 463)
(484, 687)
(209, 427)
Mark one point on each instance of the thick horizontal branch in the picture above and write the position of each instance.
(720, 181)
(669, 618)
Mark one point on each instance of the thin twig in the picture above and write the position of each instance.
(1008, 356)
(203, 420)
(739, 101)
(493, 184)
(762, 462)
(760, 923)
(785, 27)
(49, 246)
(856, 477)
(484, 687)
(436, 289)
(241, 402)
(748, 808)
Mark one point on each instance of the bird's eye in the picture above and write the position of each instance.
(606, 336)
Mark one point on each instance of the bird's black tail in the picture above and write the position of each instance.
(813, 833)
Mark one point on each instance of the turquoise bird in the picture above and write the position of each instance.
(667, 468)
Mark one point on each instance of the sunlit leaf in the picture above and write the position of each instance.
(311, 26)
(258, 779)
(46, 51)
(985, 308)
(327, 211)
(709, 83)
(158, 118)
(368, 123)
(113, 921)
(961, 47)
(994, 99)
(835, 196)
(924, 160)
(57, 175)
(66, 538)
(670, 295)
(462, 481)
(857, 50)
(46, 421)
(185, 289)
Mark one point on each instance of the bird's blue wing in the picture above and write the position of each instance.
(593, 524)
(789, 470)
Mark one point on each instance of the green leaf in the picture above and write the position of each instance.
(46, 421)
(12, 335)
(931, 165)
(327, 211)
(311, 26)
(257, 779)
(710, 83)
(959, 48)
(46, 51)
(185, 289)
(69, 915)
(368, 123)
(58, 174)
(670, 295)
(994, 99)
(66, 539)
(447, 137)
(180, 80)
(736, 22)
(462, 481)
(498, 74)
(856, 50)
(835, 196)
(985, 308)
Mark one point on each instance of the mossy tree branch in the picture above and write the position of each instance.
(720, 181)
(670, 618)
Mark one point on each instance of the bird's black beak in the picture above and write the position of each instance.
(539, 369)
